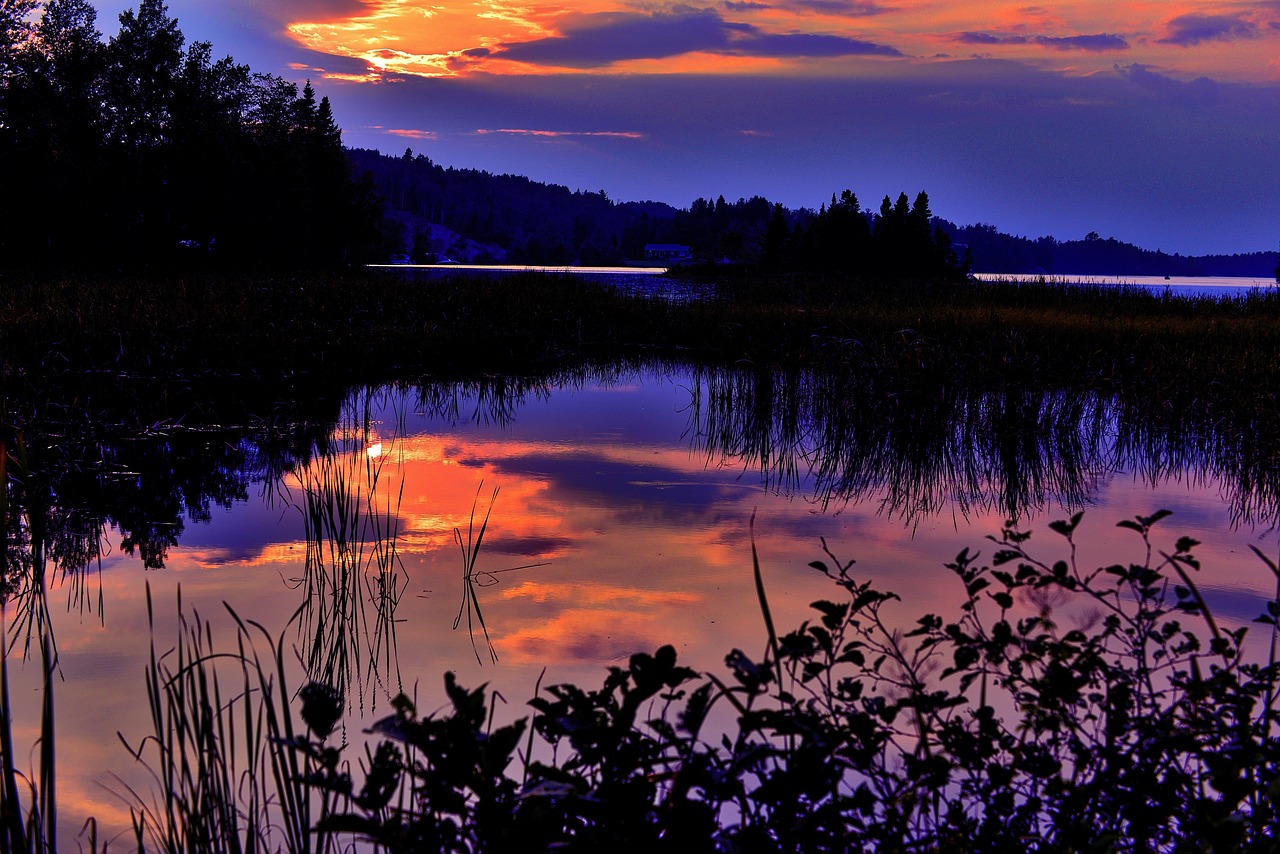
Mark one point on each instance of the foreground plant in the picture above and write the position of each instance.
(1061, 709)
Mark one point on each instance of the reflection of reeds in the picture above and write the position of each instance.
(924, 445)
(24, 569)
(472, 579)
(353, 578)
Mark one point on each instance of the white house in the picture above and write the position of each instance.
(669, 253)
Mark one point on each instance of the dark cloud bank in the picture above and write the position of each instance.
(599, 40)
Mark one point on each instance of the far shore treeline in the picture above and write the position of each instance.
(476, 216)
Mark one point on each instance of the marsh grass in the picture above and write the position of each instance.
(24, 590)
(353, 577)
(366, 325)
(922, 449)
(222, 754)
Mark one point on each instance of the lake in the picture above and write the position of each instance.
(621, 508)
(1193, 286)
(652, 280)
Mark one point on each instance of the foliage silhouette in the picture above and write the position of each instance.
(1058, 708)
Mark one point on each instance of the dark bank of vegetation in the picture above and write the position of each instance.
(516, 220)
(377, 326)
(144, 152)
(1093, 255)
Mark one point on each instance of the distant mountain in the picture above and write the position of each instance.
(476, 216)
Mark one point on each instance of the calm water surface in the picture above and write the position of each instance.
(1192, 286)
(636, 507)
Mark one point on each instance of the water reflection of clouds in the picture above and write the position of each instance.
(244, 534)
(646, 544)
(626, 484)
(591, 621)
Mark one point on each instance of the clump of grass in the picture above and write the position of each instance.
(24, 538)
(232, 770)
(353, 577)
(473, 578)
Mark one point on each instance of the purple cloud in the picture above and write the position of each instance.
(1097, 42)
(988, 38)
(834, 7)
(809, 44)
(853, 8)
(1189, 30)
(601, 39)
(1199, 90)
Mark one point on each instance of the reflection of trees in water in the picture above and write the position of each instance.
(496, 399)
(924, 449)
(861, 431)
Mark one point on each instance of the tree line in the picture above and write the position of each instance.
(142, 149)
(1093, 255)
(519, 220)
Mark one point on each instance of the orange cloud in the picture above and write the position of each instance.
(557, 134)
(411, 133)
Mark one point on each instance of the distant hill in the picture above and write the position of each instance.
(472, 215)
(476, 216)
(994, 252)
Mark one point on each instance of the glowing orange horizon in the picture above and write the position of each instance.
(399, 38)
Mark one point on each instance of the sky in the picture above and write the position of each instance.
(1157, 123)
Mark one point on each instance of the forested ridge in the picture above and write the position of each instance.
(475, 215)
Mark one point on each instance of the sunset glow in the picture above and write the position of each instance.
(399, 37)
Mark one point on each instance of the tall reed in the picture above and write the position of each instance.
(231, 769)
(353, 577)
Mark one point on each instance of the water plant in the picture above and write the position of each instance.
(473, 578)
(353, 577)
(222, 751)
